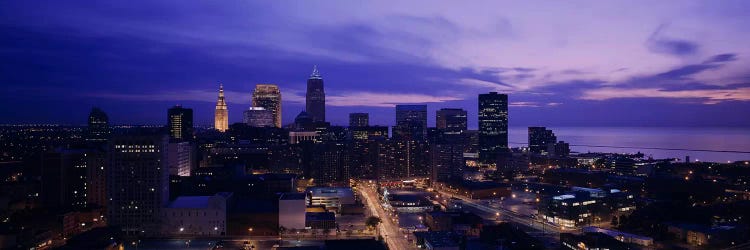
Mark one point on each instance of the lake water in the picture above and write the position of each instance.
(716, 139)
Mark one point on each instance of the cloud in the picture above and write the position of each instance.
(489, 85)
(658, 43)
(708, 96)
(177, 96)
(687, 70)
(720, 58)
(528, 104)
(371, 99)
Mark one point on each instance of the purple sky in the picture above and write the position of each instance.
(563, 63)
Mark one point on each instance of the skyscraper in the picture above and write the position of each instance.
(451, 120)
(180, 123)
(447, 162)
(258, 117)
(268, 97)
(493, 126)
(137, 181)
(98, 130)
(539, 138)
(316, 97)
(64, 178)
(411, 122)
(359, 120)
(221, 117)
(400, 159)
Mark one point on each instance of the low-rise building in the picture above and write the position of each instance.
(437, 240)
(320, 220)
(586, 206)
(333, 198)
(292, 210)
(463, 223)
(622, 236)
(404, 201)
(590, 241)
(196, 215)
(711, 236)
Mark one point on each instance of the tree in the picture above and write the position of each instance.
(372, 221)
(614, 220)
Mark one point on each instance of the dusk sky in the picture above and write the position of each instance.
(563, 63)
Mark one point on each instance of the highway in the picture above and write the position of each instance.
(542, 230)
(388, 228)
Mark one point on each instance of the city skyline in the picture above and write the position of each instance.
(375, 125)
(652, 66)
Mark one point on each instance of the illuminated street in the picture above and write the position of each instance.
(388, 228)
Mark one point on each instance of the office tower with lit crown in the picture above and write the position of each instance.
(451, 120)
(268, 96)
(493, 126)
(540, 138)
(180, 123)
(98, 129)
(359, 120)
(221, 117)
(137, 181)
(316, 97)
(258, 117)
(411, 122)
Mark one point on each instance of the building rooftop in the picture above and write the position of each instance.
(614, 233)
(195, 201)
(438, 239)
(190, 202)
(330, 191)
(320, 216)
(292, 196)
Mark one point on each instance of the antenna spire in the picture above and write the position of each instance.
(315, 74)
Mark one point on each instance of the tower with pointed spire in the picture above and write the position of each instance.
(316, 96)
(221, 117)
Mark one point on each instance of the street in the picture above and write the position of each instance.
(388, 229)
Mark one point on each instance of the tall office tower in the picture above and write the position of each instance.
(137, 181)
(359, 120)
(402, 159)
(558, 149)
(268, 97)
(411, 122)
(64, 179)
(221, 117)
(316, 97)
(179, 158)
(364, 158)
(98, 130)
(539, 138)
(371, 133)
(96, 178)
(180, 123)
(447, 162)
(451, 120)
(330, 162)
(258, 117)
(493, 126)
